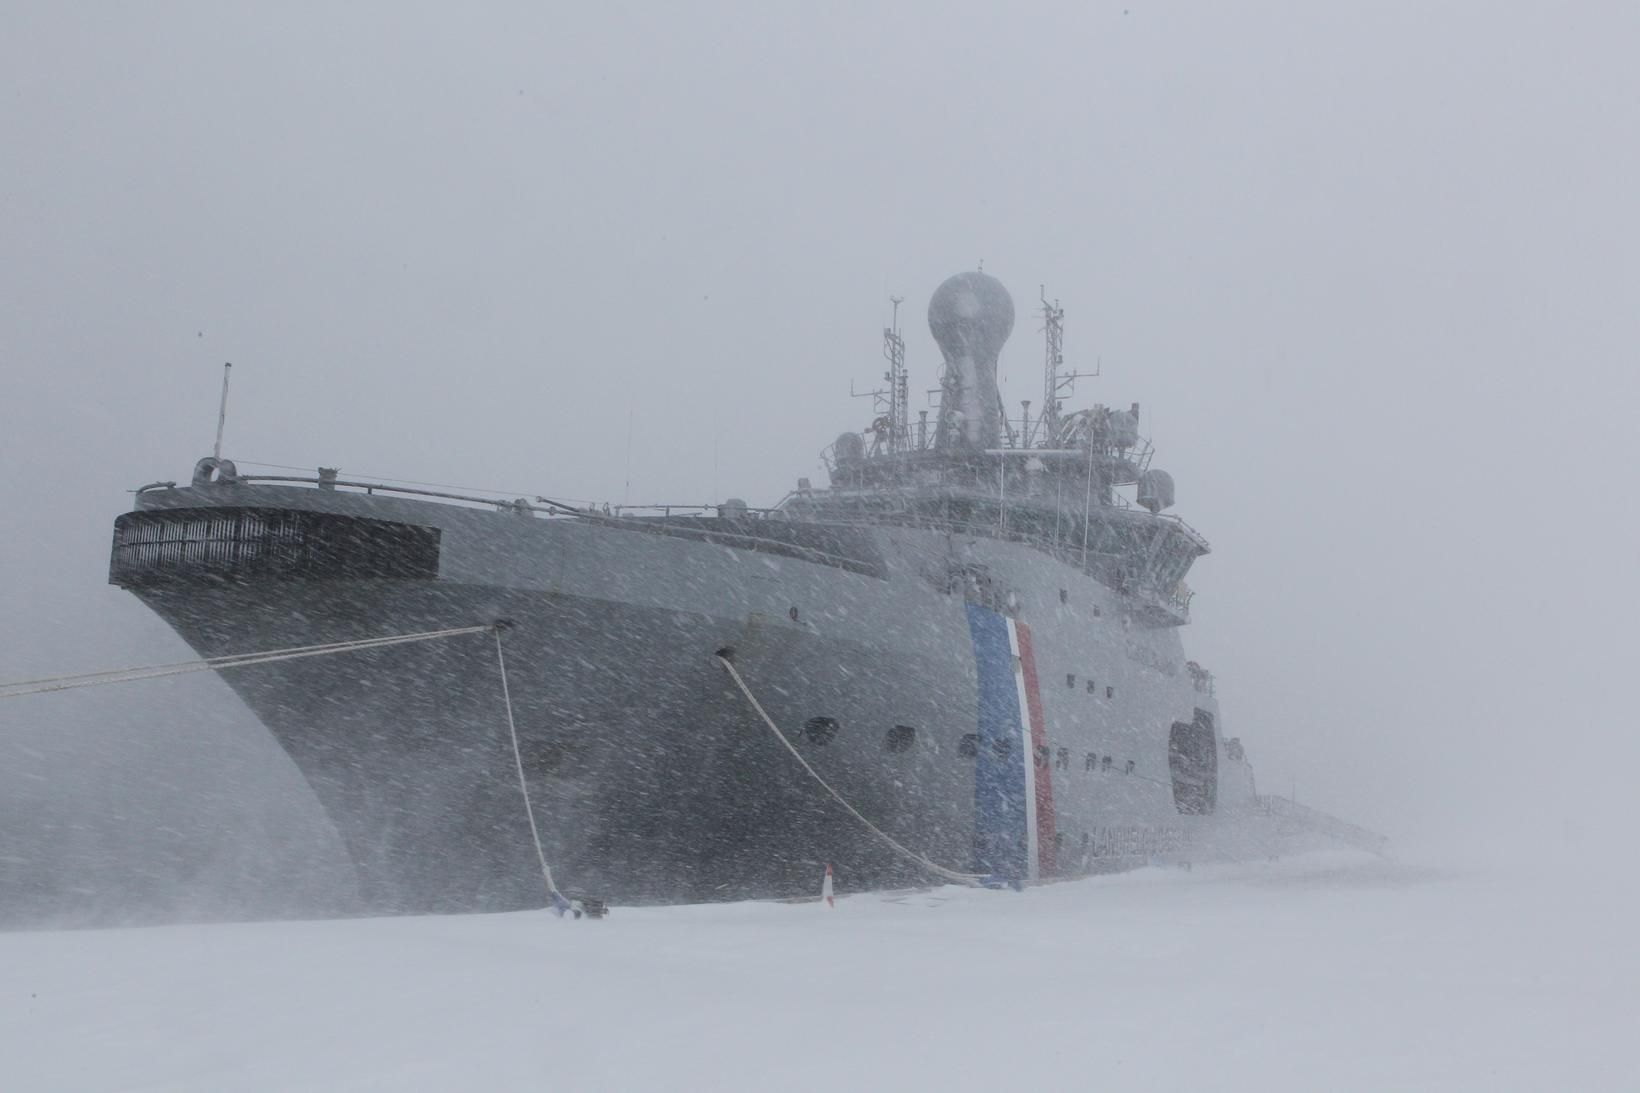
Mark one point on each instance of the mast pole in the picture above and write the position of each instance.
(899, 394)
(222, 412)
(1053, 330)
(1087, 505)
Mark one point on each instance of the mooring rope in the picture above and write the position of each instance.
(555, 899)
(222, 663)
(971, 879)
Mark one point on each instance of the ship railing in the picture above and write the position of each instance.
(652, 518)
(655, 517)
(544, 506)
(1172, 605)
(868, 507)
(833, 506)
(1125, 462)
(520, 504)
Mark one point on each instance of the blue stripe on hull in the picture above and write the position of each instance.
(1000, 838)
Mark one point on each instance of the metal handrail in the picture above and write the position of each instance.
(552, 509)
(617, 517)
(381, 487)
(1175, 600)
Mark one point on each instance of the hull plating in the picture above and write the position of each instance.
(652, 779)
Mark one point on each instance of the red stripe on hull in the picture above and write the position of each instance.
(1046, 859)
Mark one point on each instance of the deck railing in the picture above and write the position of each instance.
(1171, 606)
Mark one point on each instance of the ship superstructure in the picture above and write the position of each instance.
(970, 635)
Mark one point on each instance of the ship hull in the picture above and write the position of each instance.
(652, 778)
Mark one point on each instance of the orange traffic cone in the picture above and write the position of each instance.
(825, 888)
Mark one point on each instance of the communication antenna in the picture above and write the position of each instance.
(892, 404)
(222, 412)
(1055, 384)
(899, 394)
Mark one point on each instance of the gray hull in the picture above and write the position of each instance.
(652, 778)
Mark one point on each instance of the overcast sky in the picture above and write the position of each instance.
(1372, 271)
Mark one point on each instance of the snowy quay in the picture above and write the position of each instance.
(1326, 972)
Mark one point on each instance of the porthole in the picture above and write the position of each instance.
(820, 730)
(900, 738)
(968, 746)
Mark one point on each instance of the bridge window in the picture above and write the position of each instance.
(1002, 746)
(1070, 679)
(1091, 762)
(1041, 753)
(820, 730)
(968, 746)
(1110, 692)
(1092, 687)
(1062, 760)
(1129, 769)
(1104, 764)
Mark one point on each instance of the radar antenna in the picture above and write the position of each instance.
(899, 394)
(891, 431)
(1055, 384)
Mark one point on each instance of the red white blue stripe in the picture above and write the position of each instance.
(1039, 816)
(1013, 787)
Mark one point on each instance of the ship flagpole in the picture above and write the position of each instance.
(222, 412)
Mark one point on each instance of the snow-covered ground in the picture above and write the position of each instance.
(1323, 973)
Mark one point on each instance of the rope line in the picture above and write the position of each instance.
(970, 879)
(222, 663)
(555, 899)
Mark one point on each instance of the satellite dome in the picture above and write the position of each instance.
(971, 313)
(849, 448)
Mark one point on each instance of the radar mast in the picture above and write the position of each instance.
(899, 395)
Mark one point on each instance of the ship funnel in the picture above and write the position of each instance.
(971, 315)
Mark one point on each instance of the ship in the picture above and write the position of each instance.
(959, 655)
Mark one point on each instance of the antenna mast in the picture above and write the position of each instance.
(899, 394)
(1053, 330)
(1054, 384)
(222, 413)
